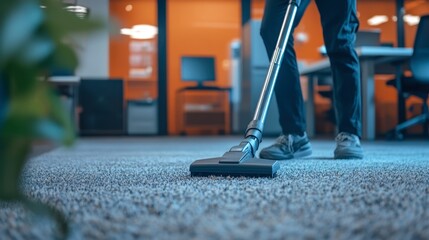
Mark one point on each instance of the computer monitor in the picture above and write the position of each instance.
(198, 69)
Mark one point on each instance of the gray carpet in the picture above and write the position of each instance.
(140, 188)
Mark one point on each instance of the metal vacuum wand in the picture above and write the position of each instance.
(253, 137)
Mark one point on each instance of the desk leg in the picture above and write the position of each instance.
(368, 99)
(75, 113)
(401, 99)
(310, 106)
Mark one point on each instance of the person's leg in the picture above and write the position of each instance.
(293, 142)
(340, 24)
(288, 89)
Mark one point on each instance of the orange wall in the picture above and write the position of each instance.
(199, 27)
(143, 12)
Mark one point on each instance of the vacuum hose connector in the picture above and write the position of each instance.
(248, 147)
(252, 139)
(295, 2)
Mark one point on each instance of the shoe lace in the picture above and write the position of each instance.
(286, 141)
(345, 137)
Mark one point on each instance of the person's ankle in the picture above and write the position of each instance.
(296, 134)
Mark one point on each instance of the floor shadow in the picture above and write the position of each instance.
(318, 158)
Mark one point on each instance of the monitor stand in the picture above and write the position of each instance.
(202, 87)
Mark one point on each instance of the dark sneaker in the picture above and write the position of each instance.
(348, 146)
(287, 147)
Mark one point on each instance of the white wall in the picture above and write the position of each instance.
(94, 47)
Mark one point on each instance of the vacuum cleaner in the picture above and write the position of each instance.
(241, 160)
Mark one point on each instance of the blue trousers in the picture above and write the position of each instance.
(340, 24)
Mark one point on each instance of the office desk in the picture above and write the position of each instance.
(369, 58)
(203, 110)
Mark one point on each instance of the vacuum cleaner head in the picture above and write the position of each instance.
(221, 166)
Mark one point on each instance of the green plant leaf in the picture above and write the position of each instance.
(64, 56)
(13, 153)
(60, 117)
(18, 26)
(36, 50)
(32, 41)
(61, 23)
(39, 115)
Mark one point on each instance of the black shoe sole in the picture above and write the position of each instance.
(349, 155)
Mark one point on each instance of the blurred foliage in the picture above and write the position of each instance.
(33, 40)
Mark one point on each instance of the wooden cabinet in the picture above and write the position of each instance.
(203, 111)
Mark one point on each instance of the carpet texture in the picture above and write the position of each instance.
(140, 188)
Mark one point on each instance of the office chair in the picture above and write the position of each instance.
(324, 84)
(417, 84)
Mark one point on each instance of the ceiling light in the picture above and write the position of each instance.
(411, 19)
(377, 20)
(129, 8)
(141, 31)
(80, 11)
(74, 7)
